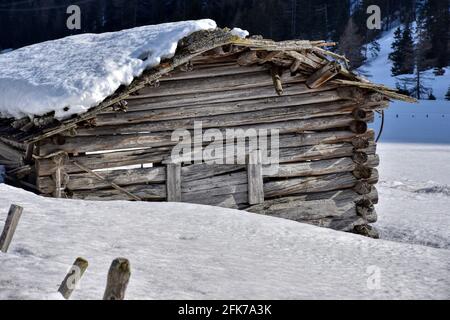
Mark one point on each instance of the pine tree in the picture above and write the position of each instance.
(402, 55)
(447, 95)
(395, 56)
(435, 19)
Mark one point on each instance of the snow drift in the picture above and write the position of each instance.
(184, 251)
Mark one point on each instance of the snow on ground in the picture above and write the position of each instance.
(414, 191)
(183, 251)
(414, 151)
(78, 72)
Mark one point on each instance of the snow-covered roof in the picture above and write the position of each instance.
(73, 74)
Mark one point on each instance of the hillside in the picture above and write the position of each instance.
(425, 122)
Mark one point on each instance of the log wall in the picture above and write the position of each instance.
(327, 157)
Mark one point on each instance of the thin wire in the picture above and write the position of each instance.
(381, 127)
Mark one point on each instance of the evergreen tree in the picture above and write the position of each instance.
(402, 55)
(434, 18)
(447, 95)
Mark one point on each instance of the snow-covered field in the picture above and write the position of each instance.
(182, 251)
(414, 192)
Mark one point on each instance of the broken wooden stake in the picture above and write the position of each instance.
(10, 227)
(118, 278)
(73, 277)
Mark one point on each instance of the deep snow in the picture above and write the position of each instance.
(78, 72)
(183, 251)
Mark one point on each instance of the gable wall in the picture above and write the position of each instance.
(327, 156)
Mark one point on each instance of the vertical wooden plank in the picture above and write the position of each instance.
(58, 160)
(118, 278)
(12, 220)
(255, 178)
(73, 277)
(173, 182)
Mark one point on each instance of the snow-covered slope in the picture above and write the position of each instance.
(425, 122)
(199, 252)
(73, 74)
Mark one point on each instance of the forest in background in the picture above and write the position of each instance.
(24, 22)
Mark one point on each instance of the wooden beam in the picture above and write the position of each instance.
(12, 220)
(174, 182)
(255, 178)
(115, 186)
(323, 75)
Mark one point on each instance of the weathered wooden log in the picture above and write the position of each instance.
(90, 143)
(221, 108)
(360, 157)
(361, 142)
(45, 167)
(214, 84)
(346, 224)
(359, 114)
(223, 115)
(205, 170)
(112, 184)
(363, 187)
(276, 73)
(11, 222)
(123, 177)
(335, 181)
(11, 154)
(315, 168)
(73, 277)
(213, 70)
(364, 207)
(255, 178)
(118, 278)
(358, 127)
(237, 200)
(295, 66)
(317, 145)
(301, 208)
(362, 172)
(151, 192)
(237, 95)
(322, 75)
(173, 183)
(366, 230)
(248, 58)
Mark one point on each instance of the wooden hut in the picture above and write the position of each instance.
(121, 149)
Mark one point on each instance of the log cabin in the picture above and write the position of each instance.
(316, 110)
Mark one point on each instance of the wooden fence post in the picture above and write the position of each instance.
(173, 182)
(73, 277)
(12, 220)
(255, 178)
(118, 277)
